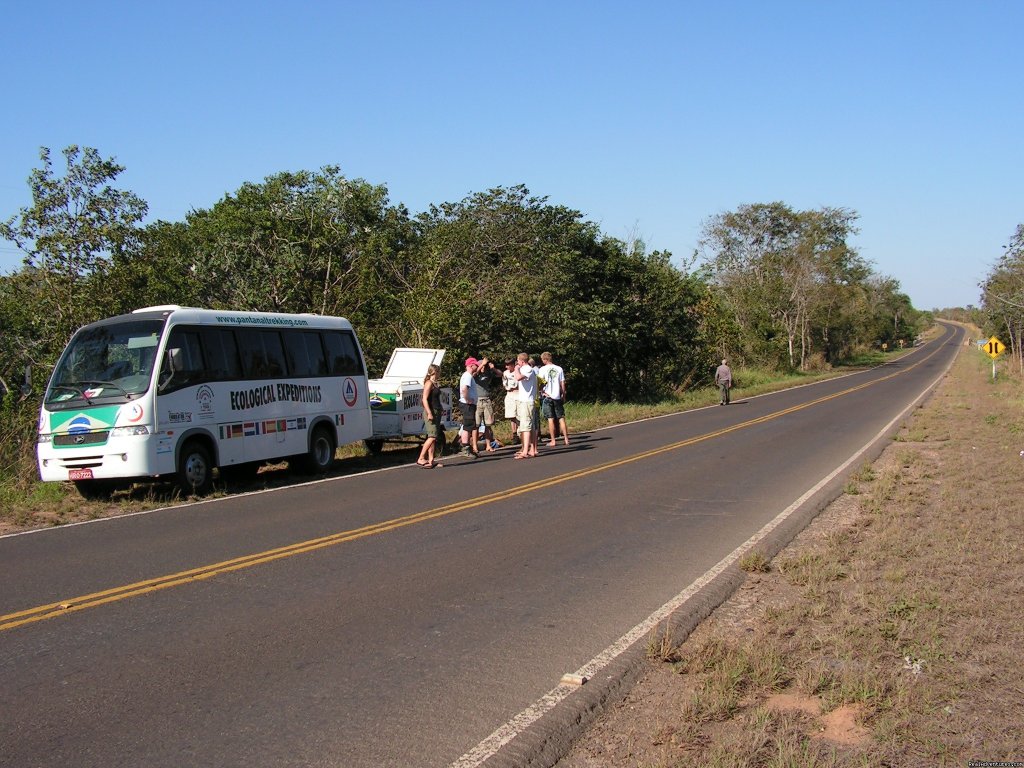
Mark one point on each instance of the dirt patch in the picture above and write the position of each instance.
(794, 702)
(883, 635)
(840, 726)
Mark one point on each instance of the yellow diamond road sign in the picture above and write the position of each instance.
(994, 348)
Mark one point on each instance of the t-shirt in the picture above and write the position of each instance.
(723, 375)
(484, 378)
(554, 378)
(527, 384)
(467, 381)
(508, 380)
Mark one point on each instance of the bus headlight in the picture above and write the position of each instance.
(44, 438)
(137, 429)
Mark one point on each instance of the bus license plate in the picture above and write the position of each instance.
(79, 474)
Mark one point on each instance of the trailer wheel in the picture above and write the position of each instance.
(195, 469)
(374, 446)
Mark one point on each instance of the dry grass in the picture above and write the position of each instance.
(887, 634)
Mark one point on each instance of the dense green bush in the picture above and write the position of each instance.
(496, 273)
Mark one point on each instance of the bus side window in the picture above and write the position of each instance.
(221, 352)
(342, 354)
(262, 353)
(275, 353)
(183, 365)
(305, 354)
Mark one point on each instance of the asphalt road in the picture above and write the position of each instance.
(409, 617)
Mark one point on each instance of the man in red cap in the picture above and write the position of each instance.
(467, 406)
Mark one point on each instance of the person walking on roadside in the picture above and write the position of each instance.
(723, 378)
(467, 407)
(486, 376)
(432, 418)
(526, 375)
(552, 404)
(510, 385)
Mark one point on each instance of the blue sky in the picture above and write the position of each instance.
(646, 117)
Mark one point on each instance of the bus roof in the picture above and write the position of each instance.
(192, 315)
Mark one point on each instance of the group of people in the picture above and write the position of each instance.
(531, 392)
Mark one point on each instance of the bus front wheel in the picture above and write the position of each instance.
(195, 469)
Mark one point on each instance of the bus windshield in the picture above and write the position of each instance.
(112, 362)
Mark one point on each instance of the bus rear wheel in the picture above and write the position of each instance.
(320, 456)
(195, 469)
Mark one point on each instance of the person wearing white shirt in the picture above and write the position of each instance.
(467, 406)
(526, 375)
(552, 404)
(511, 386)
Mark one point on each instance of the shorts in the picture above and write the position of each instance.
(552, 409)
(432, 428)
(524, 412)
(484, 411)
(468, 411)
(511, 401)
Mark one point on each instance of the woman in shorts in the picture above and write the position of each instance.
(432, 415)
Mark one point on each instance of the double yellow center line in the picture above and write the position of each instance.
(95, 599)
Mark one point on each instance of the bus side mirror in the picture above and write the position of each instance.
(26, 382)
(171, 365)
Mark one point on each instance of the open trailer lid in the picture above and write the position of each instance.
(410, 364)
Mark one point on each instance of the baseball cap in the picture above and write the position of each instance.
(471, 361)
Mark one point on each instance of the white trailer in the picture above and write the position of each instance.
(395, 399)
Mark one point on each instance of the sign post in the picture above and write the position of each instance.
(993, 348)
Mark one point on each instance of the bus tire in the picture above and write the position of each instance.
(320, 456)
(195, 469)
(374, 446)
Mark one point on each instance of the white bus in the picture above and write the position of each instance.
(176, 391)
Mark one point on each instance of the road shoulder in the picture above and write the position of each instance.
(882, 633)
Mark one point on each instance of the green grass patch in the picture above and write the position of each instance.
(755, 562)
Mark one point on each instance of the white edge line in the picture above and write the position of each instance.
(506, 733)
